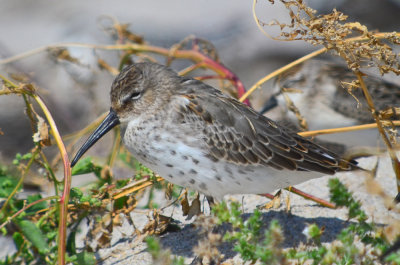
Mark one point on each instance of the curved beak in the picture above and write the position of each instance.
(110, 121)
(271, 103)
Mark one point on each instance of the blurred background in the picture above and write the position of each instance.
(77, 94)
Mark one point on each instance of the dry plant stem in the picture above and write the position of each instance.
(304, 195)
(379, 35)
(133, 188)
(29, 113)
(26, 208)
(49, 168)
(9, 83)
(253, 11)
(87, 129)
(205, 61)
(189, 69)
(280, 71)
(77, 135)
(21, 179)
(115, 147)
(62, 228)
(344, 129)
(392, 153)
(196, 56)
(311, 198)
(268, 195)
(205, 77)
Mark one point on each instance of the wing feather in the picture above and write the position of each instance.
(236, 133)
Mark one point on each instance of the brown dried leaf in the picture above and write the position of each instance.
(355, 84)
(117, 220)
(150, 227)
(390, 112)
(291, 90)
(123, 31)
(332, 31)
(275, 202)
(100, 233)
(63, 54)
(195, 208)
(207, 249)
(163, 222)
(185, 204)
(157, 224)
(131, 205)
(29, 88)
(287, 201)
(104, 65)
(358, 26)
(302, 121)
(42, 134)
(21, 77)
(269, 205)
(106, 173)
(168, 191)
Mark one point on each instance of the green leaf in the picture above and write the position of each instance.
(17, 159)
(86, 258)
(18, 239)
(3, 230)
(76, 193)
(82, 167)
(26, 156)
(85, 166)
(7, 185)
(129, 160)
(313, 232)
(394, 258)
(71, 247)
(94, 202)
(37, 207)
(33, 234)
(120, 202)
(153, 246)
(121, 183)
(85, 198)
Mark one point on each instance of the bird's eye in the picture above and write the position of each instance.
(135, 95)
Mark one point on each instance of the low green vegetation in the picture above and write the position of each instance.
(255, 243)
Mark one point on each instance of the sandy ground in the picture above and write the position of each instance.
(129, 249)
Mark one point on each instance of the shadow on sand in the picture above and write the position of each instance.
(182, 242)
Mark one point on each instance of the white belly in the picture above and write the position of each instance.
(184, 164)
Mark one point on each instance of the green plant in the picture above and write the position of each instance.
(160, 256)
(265, 247)
(248, 240)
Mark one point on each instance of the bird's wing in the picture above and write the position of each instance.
(385, 94)
(236, 133)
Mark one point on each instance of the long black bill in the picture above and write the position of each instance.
(270, 104)
(107, 124)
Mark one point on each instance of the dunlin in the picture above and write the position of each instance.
(197, 137)
(319, 91)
